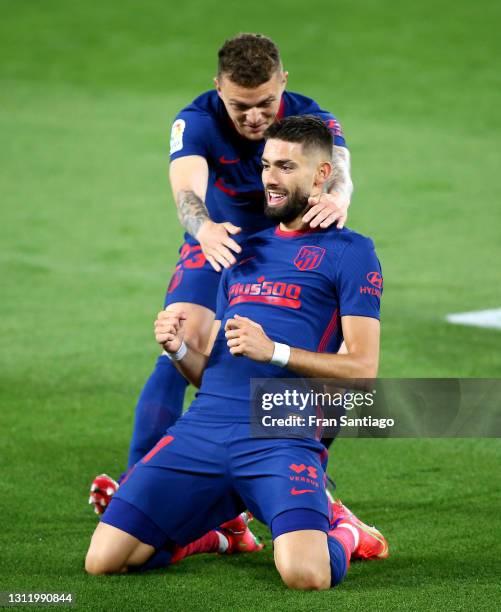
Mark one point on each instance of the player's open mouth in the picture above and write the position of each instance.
(275, 198)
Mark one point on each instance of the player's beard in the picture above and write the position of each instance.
(297, 203)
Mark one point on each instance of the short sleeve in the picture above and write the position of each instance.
(222, 296)
(334, 126)
(359, 280)
(190, 134)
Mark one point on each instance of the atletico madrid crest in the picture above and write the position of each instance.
(309, 258)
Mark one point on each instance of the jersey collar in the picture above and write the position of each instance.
(281, 109)
(295, 233)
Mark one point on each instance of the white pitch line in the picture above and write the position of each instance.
(490, 319)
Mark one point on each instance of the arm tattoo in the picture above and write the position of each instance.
(191, 211)
(341, 179)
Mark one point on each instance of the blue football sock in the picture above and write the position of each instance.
(161, 558)
(339, 562)
(159, 406)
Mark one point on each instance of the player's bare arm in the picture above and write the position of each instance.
(169, 333)
(189, 177)
(340, 181)
(361, 336)
(192, 212)
(332, 206)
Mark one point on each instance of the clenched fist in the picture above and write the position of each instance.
(169, 332)
(245, 337)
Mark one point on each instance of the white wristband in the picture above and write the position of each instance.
(281, 355)
(179, 354)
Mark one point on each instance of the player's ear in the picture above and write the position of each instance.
(285, 76)
(323, 173)
(218, 82)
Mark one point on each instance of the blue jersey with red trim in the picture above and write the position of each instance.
(235, 190)
(297, 285)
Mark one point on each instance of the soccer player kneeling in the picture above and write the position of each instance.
(208, 468)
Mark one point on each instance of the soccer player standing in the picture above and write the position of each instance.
(287, 278)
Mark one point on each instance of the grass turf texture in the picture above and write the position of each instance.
(89, 237)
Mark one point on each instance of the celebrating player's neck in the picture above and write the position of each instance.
(295, 225)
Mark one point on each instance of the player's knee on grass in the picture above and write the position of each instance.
(111, 550)
(99, 562)
(102, 560)
(302, 560)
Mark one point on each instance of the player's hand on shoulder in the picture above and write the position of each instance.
(246, 337)
(326, 209)
(169, 329)
(217, 244)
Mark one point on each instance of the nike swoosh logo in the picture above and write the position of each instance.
(223, 160)
(295, 491)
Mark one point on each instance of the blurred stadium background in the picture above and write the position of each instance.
(89, 237)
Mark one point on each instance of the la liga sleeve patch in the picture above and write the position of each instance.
(176, 135)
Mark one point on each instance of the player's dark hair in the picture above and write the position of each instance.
(308, 130)
(248, 60)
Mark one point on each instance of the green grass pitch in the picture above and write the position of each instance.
(89, 236)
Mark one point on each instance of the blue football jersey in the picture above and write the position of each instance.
(235, 190)
(297, 285)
